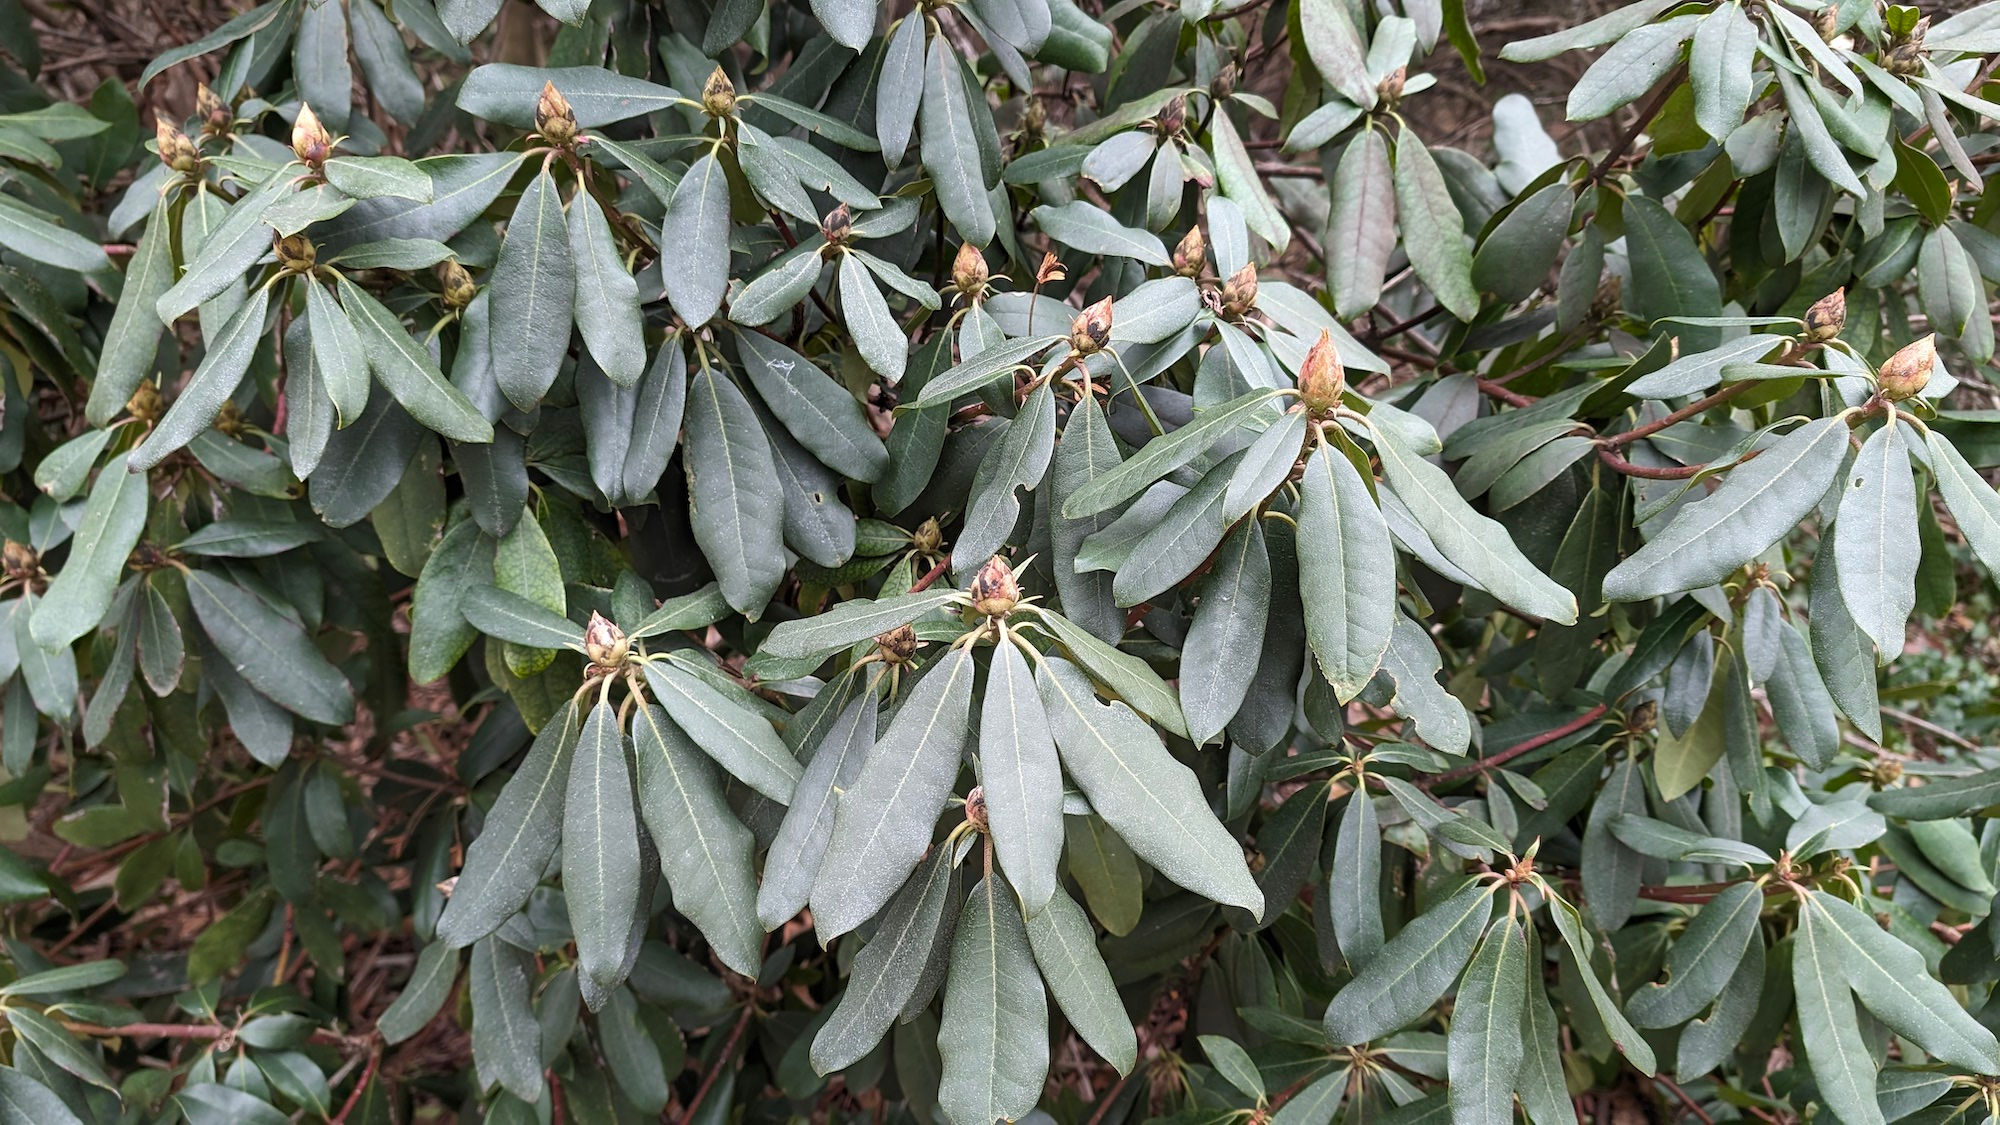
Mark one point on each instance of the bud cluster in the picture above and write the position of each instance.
(994, 591)
(1322, 379)
(311, 143)
(554, 119)
(1091, 330)
(1826, 317)
(216, 116)
(1191, 256)
(458, 287)
(1905, 374)
(177, 151)
(969, 274)
(1906, 56)
(1239, 293)
(897, 645)
(605, 643)
(295, 252)
(838, 227)
(718, 95)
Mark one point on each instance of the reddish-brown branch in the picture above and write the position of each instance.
(360, 1087)
(1619, 464)
(1698, 406)
(931, 575)
(721, 1060)
(1470, 769)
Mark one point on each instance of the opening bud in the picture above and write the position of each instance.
(897, 645)
(1050, 270)
(994, 591)
(1091, 329)
(216, 116)
(176, 150)
(1906, 57)
(1172, 118)
(718, 94)
(968, 270)
(1191, 256)
(1827, 317)
(1904, 374)
(975, 807)
(928, 537)
(605, 643)
(458, 287)
(311, 143)
(295, 252)
(554, 119)
(1321, 377)
(19, 560)
(1239, 293)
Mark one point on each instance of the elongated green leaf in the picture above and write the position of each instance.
(133, 339)
(852, 622)
(1021, 778)
(423, 995)
(1129, 678)
(1226, 638)
(1623, 74)
(1347, 572)
(1829, 1028)
(1484, 1045)
(213, 383)
(820, 413)
(506, 859)
(697, 226)
(601, 847)
(408, 371)
(887, 970)
(1620, 1030)
(1477, 545)
(1153, 802)
(978, 370)
(1416, 967)
(792, 864)
(505, 93)
(705, 853)
(1085, 226)
(733, 492)
(517, 619)
(224, 255)
(1433, 229)
(1892, 981)
(270, 650)
(25, 1101)
(57, 1046)
(1720, 69)
(1361, 225)
(534, 292)
(877, 336)
(29, 233)
(506, 1042)
(1163, 455)
(338, 357)
(81, 594)
(993, 1035)
(883, 826)
(950, 147)
(1702, 960)
(739, 739)
(1761, 502)
(1693, 374)
(1876, 538)
(1065, 949)
(1356, 870)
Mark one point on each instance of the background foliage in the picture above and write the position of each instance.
(1018, 557)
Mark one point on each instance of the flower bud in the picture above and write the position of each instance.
(1239, 293)
(1390, 89)
(897, 645)
(928, 537)
(230, 420)
(1191, 256)
(994, 591)
(1034, 120)
(554, 119)
(1172, 117)
(975, 807)
(1091, 329)
(1321, 377)
(1906, 57)
(1826, 21)
(605, 643)
(718, 95)
(968, 270)
(311, 143)
(1050, 270)
(145, 405)
(1225, 81)
(838, 226)
(1826, 317)
(176, 150)
(1886, 772)
(295, 252)
(19, 561)
(458, 287)
(216, 116)
(1904, 374)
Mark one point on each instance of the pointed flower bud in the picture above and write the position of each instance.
(928, 537)
(1321, 377)
(1827, 317)
(458, 287)
(216, 116)
(975, 807)
(897, 645)
(1191, 256)
(838, 226)
(718, 94)
(311, 143)
(176, 150)
(554, 119)
(295, 252)
(19, 560)
(605, 643)
(1390, 89)
(1225, 81)
(1091, 329)
(1904, 374)
(994, 591)
(1239, 293)
(968, 270)
(1172, 117)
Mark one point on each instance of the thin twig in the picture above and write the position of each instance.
(1470, 769)
(721, 1060)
